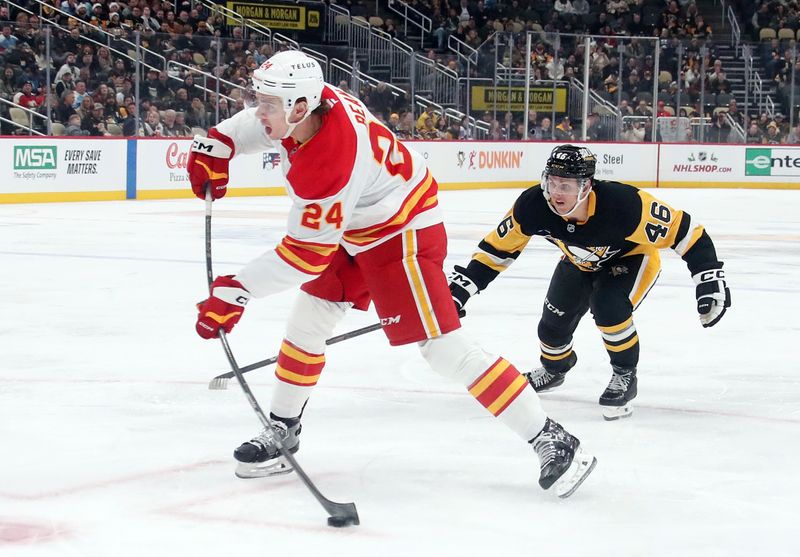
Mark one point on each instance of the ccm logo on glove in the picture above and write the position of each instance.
(208, 163)
(223, 309)
(712, 293)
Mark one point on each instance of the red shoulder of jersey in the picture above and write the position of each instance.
(323, 165)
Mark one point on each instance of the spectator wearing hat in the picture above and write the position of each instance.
(661, 112)
(563, 131)
(181, 103)
(94, 123)
(783, 125)
(30, 98)
(773, 135)
(67, 66)
(99, 11)
(83, 13)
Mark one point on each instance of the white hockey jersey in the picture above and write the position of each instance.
(353, 184)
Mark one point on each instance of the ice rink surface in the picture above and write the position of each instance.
(113, 446)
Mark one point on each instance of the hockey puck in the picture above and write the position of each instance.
(342, 521)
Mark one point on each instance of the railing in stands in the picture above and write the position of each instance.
(753, 83)
(248, 26)
(414, 17)
(736, 33)
(440, 83)
(103, 32)
(46, 123)
(337, 24)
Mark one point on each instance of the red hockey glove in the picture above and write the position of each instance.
(223, 309)
(208, 163)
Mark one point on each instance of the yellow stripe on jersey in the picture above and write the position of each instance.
(324, 250)
(621, 347)
(424, 306)
(617, 328)
(507, 237)
(409, 205)
(554, 358)
(299, 263)
(648, 274)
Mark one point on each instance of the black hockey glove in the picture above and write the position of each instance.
(461, 288)
(712, 293)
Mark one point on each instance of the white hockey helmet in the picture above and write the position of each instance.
(291, 75)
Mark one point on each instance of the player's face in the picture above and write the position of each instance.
(270, 112)
(563, 193)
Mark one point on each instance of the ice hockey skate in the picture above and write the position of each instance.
(564, 465)
(543, 380)
(621, 390)
(260, 457)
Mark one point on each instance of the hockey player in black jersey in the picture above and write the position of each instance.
(610, 234)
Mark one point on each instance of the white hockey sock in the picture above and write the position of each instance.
(302, 354)
(494, 382)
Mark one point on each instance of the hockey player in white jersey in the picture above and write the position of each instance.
(364, 226)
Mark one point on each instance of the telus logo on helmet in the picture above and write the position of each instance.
(302, 66)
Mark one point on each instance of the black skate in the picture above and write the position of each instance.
(621, 390)
(543, 379)
(260, 457)
(563, 462)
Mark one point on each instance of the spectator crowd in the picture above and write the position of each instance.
(92, 68)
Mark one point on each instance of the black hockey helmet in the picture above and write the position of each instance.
(571, 161)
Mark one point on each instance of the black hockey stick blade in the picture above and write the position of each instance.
(220, 382)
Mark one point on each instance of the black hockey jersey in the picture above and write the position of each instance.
(623, 221)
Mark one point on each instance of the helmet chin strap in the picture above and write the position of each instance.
(290, 127)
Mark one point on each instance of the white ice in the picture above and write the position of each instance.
(112, 445)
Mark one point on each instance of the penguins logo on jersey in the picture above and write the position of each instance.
(589, 258)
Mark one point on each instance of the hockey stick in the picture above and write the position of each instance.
(340, 514)
(220, 382)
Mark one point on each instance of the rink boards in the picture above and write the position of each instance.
(46, 169)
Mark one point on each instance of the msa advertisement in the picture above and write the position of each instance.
(278, 16)
(58, 165)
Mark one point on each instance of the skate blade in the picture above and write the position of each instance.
(582, 465)
(251, 470)
(611, 413)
